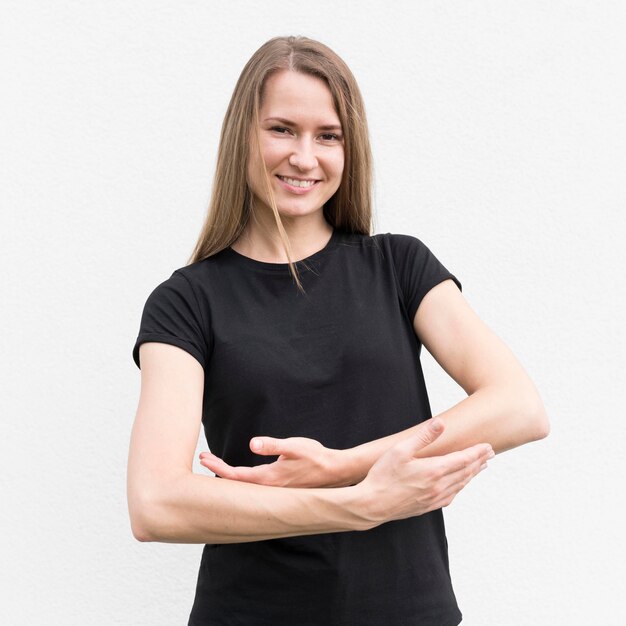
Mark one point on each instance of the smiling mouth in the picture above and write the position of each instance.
(294, 182)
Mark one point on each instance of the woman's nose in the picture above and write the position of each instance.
(303, 157)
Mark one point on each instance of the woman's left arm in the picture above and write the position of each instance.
(503, 407)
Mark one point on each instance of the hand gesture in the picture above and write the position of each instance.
(400, 485)
(301, 462)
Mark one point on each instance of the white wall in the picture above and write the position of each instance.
(500, 140)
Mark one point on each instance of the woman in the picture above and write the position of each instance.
(295, 334)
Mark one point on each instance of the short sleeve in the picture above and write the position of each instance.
(172, 314)
(417, 269)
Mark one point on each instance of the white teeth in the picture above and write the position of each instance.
(297, 183)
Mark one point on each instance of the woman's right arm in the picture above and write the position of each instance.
(169, 503)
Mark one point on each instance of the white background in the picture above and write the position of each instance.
(499, 139)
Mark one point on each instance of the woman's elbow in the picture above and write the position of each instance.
(141, 529)
(144, 516)
(527, 420)
(537, 424)
(140, 532)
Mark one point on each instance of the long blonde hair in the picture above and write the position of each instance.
(349, 209)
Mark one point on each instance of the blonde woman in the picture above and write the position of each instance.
(293, 336)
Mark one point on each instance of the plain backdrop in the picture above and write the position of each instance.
(499, 139)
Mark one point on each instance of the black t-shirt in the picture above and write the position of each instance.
(339, 364)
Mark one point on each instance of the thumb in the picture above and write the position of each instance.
(426, 433)
(268, 446)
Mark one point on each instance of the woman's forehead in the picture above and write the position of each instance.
(297, 97)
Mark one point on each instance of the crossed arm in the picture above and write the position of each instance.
(503, 407)
(406, 474)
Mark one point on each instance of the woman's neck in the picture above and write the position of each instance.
(261, 240)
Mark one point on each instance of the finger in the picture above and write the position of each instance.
(455, 468)
(426, 433)
(240, 473)
(457, 487)
(269, 446)
(457, 482)
(459, 479)
(216, 465)
(461, 459)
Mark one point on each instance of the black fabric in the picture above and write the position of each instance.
(339, 364)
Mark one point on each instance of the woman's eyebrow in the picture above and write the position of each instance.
(287, 122)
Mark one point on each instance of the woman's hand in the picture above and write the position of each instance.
(401, 485)
(301, 462)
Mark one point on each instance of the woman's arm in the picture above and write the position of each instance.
(168, 502)
(502, 407)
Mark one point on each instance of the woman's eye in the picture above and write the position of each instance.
(329, 137)
(280, 129)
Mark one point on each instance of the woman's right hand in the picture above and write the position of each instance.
(400, 485)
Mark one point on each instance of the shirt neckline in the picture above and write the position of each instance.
(301, 265)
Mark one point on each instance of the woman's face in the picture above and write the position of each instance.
(301, 143)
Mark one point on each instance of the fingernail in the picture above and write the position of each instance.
(256, 444)
(491, 455)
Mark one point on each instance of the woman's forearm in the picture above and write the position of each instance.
(504, 417)
(191, 508)
(194, 508)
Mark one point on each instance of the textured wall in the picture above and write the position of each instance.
(499, 138)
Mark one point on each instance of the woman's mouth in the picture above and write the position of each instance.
(297, 182)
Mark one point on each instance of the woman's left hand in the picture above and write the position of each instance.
(301, 462)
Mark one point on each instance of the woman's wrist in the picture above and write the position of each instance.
(350, 466)
(355, 507)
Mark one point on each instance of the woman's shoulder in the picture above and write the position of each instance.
(399, 240)
(186, 283)
(397, 246)
(394, 243)
(198, 271)
(395, 239)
